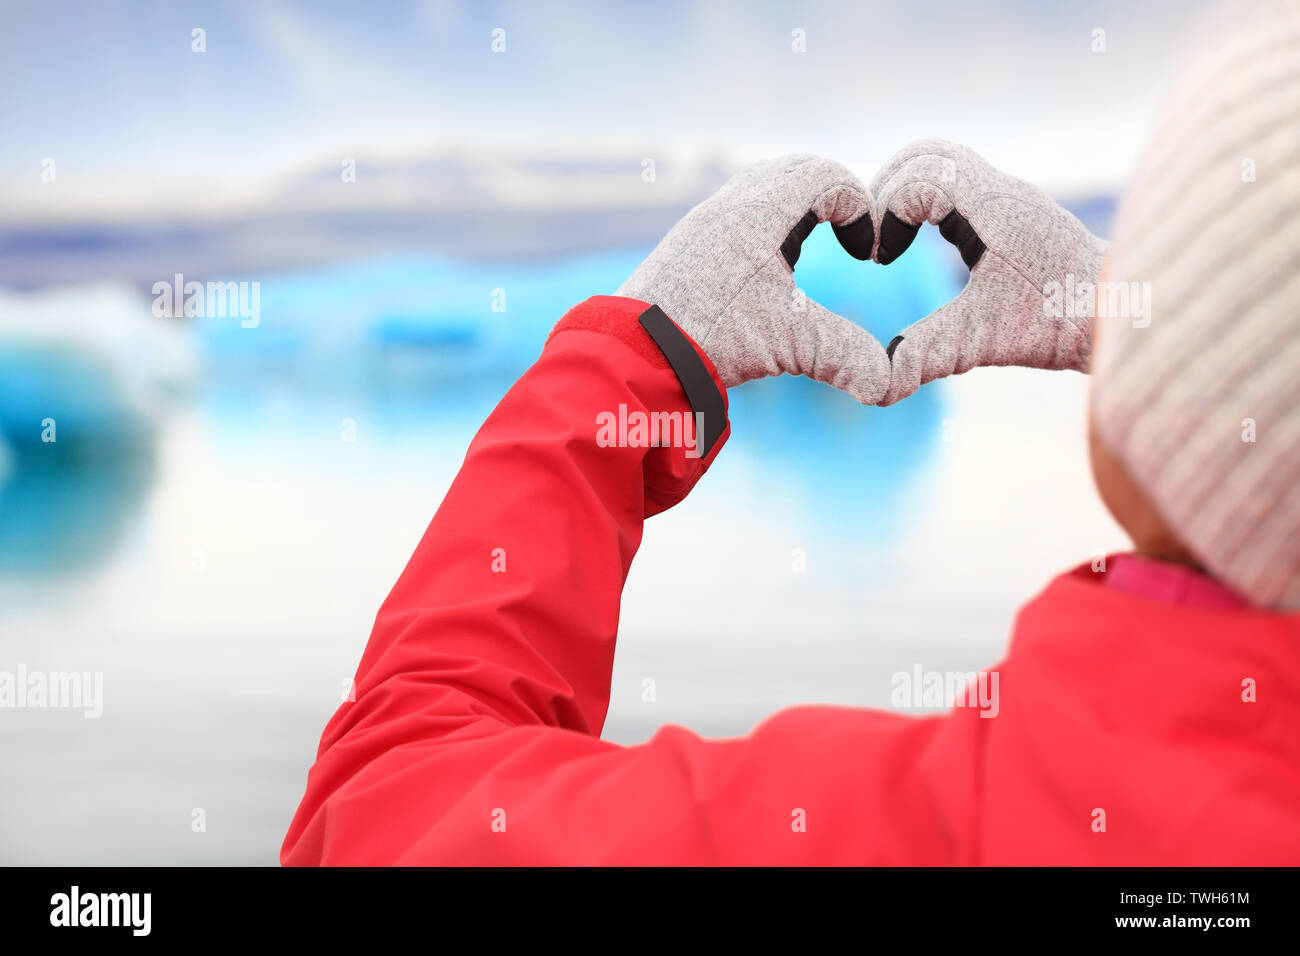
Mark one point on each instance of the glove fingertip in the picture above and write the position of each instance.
(896, 392)
(857, 237)
(868, 389)
(895, 236)
(904, 370)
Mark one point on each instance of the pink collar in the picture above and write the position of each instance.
(1170, 584)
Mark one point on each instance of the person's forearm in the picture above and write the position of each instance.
(507, 613)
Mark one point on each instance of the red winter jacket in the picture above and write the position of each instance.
(474, 736)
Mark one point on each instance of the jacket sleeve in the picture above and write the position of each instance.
(474, 734)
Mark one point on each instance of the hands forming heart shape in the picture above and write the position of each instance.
(725, 272)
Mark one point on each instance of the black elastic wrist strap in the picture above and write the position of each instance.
(701, 390)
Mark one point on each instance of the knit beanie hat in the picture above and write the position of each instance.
(1196, 367)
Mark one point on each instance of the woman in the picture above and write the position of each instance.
(1147, 706)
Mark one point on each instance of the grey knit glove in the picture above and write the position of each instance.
(1017, 243)
(725, 274)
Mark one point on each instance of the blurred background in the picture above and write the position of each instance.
(408, 196)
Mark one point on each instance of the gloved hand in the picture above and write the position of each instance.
(1016, 242)
(725, 274)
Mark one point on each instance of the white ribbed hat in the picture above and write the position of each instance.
(1203, 403)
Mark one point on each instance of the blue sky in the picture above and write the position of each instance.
(113, 92)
